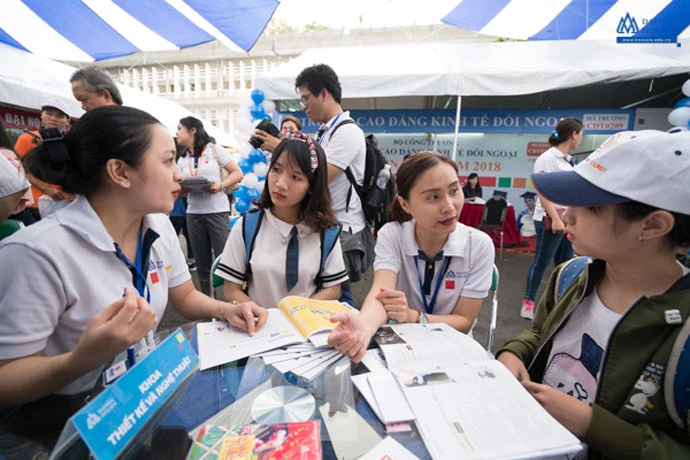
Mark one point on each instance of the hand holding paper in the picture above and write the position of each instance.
(351, 337)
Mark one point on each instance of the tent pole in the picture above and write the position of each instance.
(457, 128)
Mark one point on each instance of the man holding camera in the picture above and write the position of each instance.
(320, 94)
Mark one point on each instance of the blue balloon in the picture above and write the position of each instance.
(253, 193)
(233, 220)
(685, 102)
(257, 96)
(241, 193)
(257, 156)
(246, 165)
(242, 205)
(257, 112)
(261, 178)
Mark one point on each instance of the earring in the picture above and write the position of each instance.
(641, 239)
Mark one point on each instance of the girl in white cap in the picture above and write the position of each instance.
(602, 354)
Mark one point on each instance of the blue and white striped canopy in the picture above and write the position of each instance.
(632, 21)
(93, 30)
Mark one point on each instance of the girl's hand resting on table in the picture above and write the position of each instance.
(350, 337)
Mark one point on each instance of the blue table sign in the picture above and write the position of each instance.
(112, 422)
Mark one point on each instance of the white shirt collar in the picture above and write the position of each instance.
(455, 245)
(283, 227)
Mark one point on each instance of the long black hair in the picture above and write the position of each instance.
(201, 137)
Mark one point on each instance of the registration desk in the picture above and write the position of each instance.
(471, 215)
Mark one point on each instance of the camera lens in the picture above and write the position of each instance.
(255, 142)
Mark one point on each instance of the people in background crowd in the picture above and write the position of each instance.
(208, 210)
(295, 208)
(551, 243)
(429, 268)
(602, 353)
(54, 114)
(472, 189)
(94, 87)
(290, 123)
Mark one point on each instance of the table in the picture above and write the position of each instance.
(224, 396)
(471, 215)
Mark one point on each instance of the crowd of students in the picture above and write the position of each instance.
(109, 263)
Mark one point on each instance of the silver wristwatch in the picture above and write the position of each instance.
(422, 318)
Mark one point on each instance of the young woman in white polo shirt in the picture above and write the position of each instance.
(208, 211)
(428, 268)
(551, 244)
(64, 314)
(295, 201)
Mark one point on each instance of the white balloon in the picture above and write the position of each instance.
(244, 125)
(243, 112)
(260, 169)
(250, 180)
(245, 98)
(269, 106)
(261, 185)
(679, 116)
(245, 149)
(686, 88)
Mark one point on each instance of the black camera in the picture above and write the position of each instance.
(266, 126)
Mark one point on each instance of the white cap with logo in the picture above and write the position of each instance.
(651, 167)
(56, 104)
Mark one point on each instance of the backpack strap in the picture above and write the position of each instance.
(348, 171)
(250, 228)
(677, 379)
(328, 239)
(569, 273)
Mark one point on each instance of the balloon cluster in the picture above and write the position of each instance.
(680, 115)
(252, 162)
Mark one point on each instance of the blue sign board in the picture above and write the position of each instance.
(599, 121)
(112, 420)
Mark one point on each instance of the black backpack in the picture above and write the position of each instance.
(375, 201)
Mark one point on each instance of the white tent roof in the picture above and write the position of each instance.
(479, 69)
(27, 80)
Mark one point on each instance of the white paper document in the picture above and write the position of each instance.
(479, 411)
(389, 449)
(397, 409)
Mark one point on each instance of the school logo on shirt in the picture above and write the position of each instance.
(450, 280)
(153, 270)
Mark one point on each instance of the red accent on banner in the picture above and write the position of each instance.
(20, 119)
(534, 149)
(483, 181)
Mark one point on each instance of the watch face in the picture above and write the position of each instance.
(423, 319)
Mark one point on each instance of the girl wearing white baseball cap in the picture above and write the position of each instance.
(604, 350)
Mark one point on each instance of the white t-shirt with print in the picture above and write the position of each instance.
(469, 272)
(552, 160)
(268, 287)
(203, 202)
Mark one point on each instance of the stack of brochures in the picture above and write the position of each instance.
(294, 339)
(465, 404)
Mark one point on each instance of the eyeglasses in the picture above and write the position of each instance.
(304, 99)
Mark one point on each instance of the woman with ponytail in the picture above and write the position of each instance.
(208, 211)
(428, 268)
(80, 287)
(551, 243)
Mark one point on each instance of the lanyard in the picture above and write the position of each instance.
(329, 128)
(136, 268)
(429, 308)
(197, 161)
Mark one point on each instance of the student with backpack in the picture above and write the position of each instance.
(289, 246)
(607, 354)
(429, 268)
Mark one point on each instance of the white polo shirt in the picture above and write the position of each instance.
(267, 287)
(469, 272)
(203, 202)
(552, 160)
(346, 149)
(57, 274)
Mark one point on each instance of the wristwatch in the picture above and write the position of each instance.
(422, 319)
